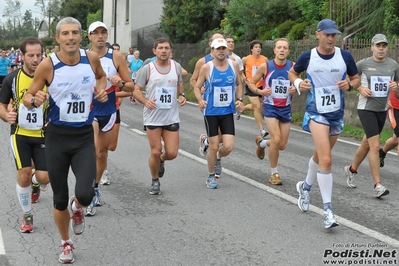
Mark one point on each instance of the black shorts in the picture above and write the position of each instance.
(171, 127)
(106, 123)
(249, 93)
(372, 122)
(26, 149)
(224, 122)
(118, 117)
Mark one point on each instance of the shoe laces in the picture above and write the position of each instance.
(77, 217)
(67, 248)
(27, 220)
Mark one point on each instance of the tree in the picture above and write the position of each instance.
(79, 9)
(51, 10)
(12, 11)
(28, 25)
(186, 21)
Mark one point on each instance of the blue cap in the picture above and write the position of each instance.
(328, 26)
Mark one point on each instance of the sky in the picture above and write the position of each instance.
(25, 5)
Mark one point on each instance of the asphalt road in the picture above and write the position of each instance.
(246, 221)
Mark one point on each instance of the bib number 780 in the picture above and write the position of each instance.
(76, 107)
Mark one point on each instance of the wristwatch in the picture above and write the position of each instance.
(182, 94)
(123, 84)
(350, 86)
(32, 102)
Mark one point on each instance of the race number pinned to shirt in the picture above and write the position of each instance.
(280, 88)
(328, 99)
(222, 96)
(75, 106)
(379, 86)
(165, 97)
(254, 69)
(31, 119)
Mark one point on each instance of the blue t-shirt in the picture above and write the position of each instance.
(4, 64)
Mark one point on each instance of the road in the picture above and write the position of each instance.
(246, 221)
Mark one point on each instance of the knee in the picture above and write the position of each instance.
(85, 198)
(112, 147)
(60, 203)
(325, 161)
(171, 155)
(156, 153)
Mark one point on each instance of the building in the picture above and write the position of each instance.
(132, 23)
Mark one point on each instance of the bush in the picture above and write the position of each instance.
(191, 64)
(298, 31)
(284, 28)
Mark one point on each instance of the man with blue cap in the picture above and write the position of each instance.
(330, 72)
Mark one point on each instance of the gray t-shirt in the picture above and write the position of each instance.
(376, 76)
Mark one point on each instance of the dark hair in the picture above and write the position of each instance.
(115, 44)
(252, 44)
(162, 40)
(30, 41)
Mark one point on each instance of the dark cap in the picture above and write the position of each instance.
(328, 26)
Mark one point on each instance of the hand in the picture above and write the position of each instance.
(100, 95)
(239, 105)
(393, 85)
(202, 105)
(364, 91)
(40, 97)
(116, 81)
(202, 89)
(12, 116)
(182, 100)
(305, 85)
(343, 84)
(150, 104)
(292, 90)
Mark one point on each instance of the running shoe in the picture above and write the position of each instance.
(380, 190)
(77, 218)
(263, 133)
(304, 197)
(203, 149)
(382, 158)
(155, 187)
(35, 192)
(66, 256)
(105, 179)
(90, 210)
(218, 168)
(350, 177)
(211, 182)
(97, 197)
(275, 179)
(27, 223)
(43, 187)
(329, 219)
(161, 171)
(260, 152)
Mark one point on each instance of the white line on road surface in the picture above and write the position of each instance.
(2, 249)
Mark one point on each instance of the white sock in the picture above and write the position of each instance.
(74, 208)
(206, 142)
(24, 196)
(217, 155)
(263, 144)
(325, 184)
(65, 241)
(312, 172)
(34, 180)
(274, 170)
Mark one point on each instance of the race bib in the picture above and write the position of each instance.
(379, 86)
(165, 97)
(254, 69)
(327, 99)
(222, 96)
(280, 88)
(31, 119)
(75, 107)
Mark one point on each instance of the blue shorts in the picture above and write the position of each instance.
(336, 125)
(283, 114)
(106, 123)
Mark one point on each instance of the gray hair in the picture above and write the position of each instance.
(67, 20)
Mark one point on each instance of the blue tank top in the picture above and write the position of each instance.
(108, 107)
(220, 90)
(71, 92)
(277, 80)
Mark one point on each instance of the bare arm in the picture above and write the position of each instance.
(259, 75)
(203, 73)
(124, 74)
(43, 74)
(101, 77)
(196, 72)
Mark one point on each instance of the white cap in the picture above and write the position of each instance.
(93, 26)
(219, 42)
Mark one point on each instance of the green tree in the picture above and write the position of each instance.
(12, 12)
(186, 21)
(79, 9)
(28, 25)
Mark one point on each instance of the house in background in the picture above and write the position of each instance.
(132, 22)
